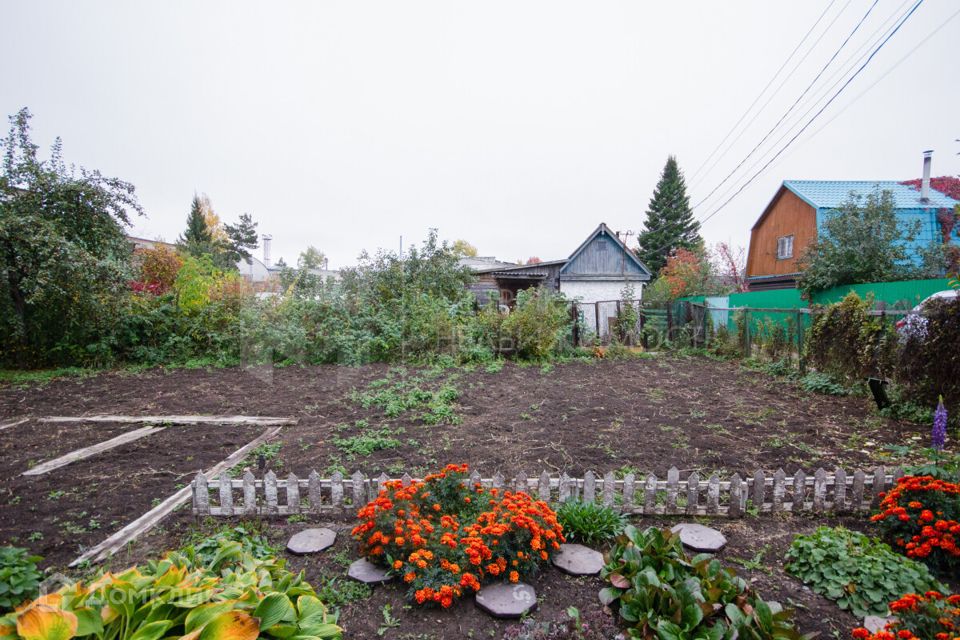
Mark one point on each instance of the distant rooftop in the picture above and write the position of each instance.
(830, 194)
(485, 263)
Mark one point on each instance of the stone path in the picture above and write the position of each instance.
(700, 538)
(505, 600)
(578, 560)
(366, 572)
(311, 541)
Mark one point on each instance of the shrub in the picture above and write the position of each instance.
(538, 325)
(921, 515)
(19, 577)
(206, 549)
(927, 362)
(589, 523)
(920, 617)
(661, 592)
(234, 596)
(445, 537)
(860, 573)
(816, 382)
(848, 343)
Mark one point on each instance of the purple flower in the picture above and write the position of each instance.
(939, 435)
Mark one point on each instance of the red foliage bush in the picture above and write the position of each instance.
(445, 537)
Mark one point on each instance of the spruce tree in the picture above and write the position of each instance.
(670, 224)
(197, 240)
(243, 239)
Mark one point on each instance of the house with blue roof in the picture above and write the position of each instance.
(796, 215)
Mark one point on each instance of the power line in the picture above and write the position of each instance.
(792, 106)
(848, 65)
(817, 114)
(764, 90)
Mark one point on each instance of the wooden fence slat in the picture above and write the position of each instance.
(520, 481)
(759, 489)
(249, 493)
(859, 479)
(358, 489)
(498, 481)
(564, 488)
(839, 490)
(270, 493)
(293, 493)
(609, 488)
(736, 495)
(202, 493)
(314, 492)
(544, 488)
(713, 494)
(693, 492)
(628, 491)
(650, 495)
(673, 479)
(336, 489)
(474, 478)
(799, 490)
(779, 489)
(589, 486)
(879, 482)
(226, 495)
(819, 490)
(406, 480)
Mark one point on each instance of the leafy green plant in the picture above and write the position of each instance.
(816, 382)
(206, 549)
(234, 596)
(661, 592)
(19, 576)
(860, 573)
(589, 523)
(367, 442)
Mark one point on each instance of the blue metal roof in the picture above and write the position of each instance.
(830, 194)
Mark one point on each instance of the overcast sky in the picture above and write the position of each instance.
(518, 126)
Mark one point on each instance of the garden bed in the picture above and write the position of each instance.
(58, 514)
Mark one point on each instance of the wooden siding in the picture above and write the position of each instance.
(603, 256)
(787, 215)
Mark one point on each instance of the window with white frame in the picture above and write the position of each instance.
(784, 247)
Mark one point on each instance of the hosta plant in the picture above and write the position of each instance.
(19, 576)
(446, 537)
(233, 597)
(860, 573)
(662, 593)
(921, 515)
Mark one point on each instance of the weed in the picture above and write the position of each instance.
(389, 622)
(756, 562)
(366, 443)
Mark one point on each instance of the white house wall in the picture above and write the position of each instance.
(587, 292)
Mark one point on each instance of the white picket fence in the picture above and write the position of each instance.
(822, 492)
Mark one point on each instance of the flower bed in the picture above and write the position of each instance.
(920, 515)
(446, 537)
(932, 616)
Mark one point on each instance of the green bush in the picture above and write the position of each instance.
(589, 523)
(928, 363)
(19, 577)
(851, 345)
(661, 592)
(860, 573)
(538, 325)
(816, 382)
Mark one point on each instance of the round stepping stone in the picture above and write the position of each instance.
(578, 560)
(311, 541)
(366, 572)
(700, 538)
(506, 600)
(873, 624)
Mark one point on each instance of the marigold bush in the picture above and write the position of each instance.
(920, 515)
(446, 537)
(932, 616)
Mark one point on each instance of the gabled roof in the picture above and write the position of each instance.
(604, 229)
(830, 194)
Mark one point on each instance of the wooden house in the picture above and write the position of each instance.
(597, 271)
(796, 215)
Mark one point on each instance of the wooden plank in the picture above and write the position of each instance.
(673, 479)
(564, 488)
(249, 494)
(314, 494)
(609, 487)
(628, 490)
(543, 490)
(736, 493)
(226, 494)
(589, 486)
(650, 494)
(859, 478)
(147, 521)
(92, 450)
(693, 492)
(13, 423)
(819, 490)
(336, 489)
(779, 489)
(713, 494)
(257, 421)
(293, 493)
(840, 490)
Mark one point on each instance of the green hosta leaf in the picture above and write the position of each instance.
(205, 613)
(152, 631)
(273, 609)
